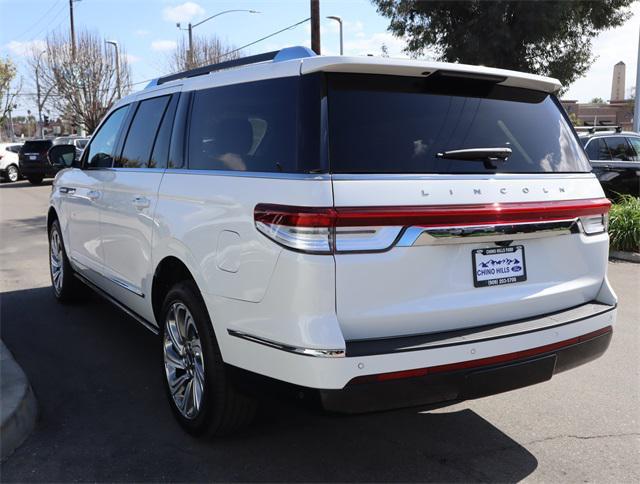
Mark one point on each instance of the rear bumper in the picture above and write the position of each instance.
(37, 169)
(438, 386)
(453, 354)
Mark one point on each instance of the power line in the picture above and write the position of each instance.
(39, 20)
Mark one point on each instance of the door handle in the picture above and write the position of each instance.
(93, 195)
(141, 202)
(67, 190)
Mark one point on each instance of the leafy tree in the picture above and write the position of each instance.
(7, 95)
(597, 100)
(551, 38)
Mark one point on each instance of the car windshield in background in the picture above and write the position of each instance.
(384, 124)
(81, 143)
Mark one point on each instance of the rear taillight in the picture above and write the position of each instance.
(371, 229)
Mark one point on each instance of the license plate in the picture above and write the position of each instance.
(33, 157)
(498, 266)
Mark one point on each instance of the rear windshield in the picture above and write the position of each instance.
(390, 124)
(36, 146)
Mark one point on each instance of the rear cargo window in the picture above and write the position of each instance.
(385, 124)
(36, 146)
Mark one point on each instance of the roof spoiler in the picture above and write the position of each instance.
(288, 53)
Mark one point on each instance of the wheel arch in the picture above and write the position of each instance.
(51, 216)
(169, 271)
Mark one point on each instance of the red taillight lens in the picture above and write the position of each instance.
(347, 229)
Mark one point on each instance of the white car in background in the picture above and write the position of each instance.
(374, 233)
(9, 170)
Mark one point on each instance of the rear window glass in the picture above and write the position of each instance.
(385, 124)
(36, 146)
(620, 149)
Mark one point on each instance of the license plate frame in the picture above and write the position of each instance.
(498, 262)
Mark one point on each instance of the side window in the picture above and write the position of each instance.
(593, 149)
(245, 127)
(142, 133)
(635, 142)
(619, 148)
(100, 150)
(160, 152)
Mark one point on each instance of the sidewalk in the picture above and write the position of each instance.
(18, 408)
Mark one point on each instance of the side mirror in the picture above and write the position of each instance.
(62, 155)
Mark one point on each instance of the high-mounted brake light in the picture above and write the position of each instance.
(355, 229)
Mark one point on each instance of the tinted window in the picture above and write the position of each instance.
(142, 133)
(99, 153)
(36, 146)
(13, 148)
(161, 146)
(597, 150)
(245, 127)
(619, 148)
(635, 142)
(384, 124)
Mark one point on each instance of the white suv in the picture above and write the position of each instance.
(381, 233)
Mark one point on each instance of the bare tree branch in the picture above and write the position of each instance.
(206, 50)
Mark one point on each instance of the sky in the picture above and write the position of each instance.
(147, 32)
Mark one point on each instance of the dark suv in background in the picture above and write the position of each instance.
(34, 165)
(615, 159)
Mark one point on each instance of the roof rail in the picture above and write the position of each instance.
(593, 129)
(200, 71)
(285, 54)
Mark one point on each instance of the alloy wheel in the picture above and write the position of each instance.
(55, 260)
(183, 360)
(12, 173)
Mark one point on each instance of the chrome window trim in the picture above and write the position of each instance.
(125, 285)
(314, 352)
(251, 174)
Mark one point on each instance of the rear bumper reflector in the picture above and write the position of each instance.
(482, 362)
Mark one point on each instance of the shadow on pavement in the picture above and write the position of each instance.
(26, 184)
(97, 378)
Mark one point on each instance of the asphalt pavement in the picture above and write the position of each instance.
(103, 415)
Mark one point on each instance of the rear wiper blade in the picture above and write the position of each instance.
(477, 154)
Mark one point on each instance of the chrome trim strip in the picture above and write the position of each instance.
(322, 353)
(251, 174)
(420, 236)
(493, 176)
(125, 285)
(151, 327)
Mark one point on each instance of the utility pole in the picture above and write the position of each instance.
(73, 31)
(315, 26)
(38, 100)
(636, 109)
(115, 45)
(13, 131)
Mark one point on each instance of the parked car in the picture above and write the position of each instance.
(615, 158)
(9, 166)
(380, 233)
(34, 164)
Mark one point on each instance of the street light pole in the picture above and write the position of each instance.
(339, 20)
(115, 45)
(190, 27)
(636, 109)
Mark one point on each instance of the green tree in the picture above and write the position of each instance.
(551, 38)
(7, 95)
(597, 100)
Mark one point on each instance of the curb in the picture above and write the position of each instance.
(18, 407)
(626, 256)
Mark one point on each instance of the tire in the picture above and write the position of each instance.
(12, 173)
(66, 287)
(35, 179)
(191, 358)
